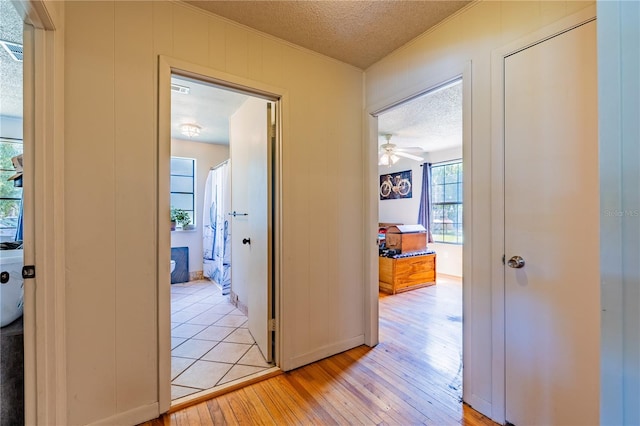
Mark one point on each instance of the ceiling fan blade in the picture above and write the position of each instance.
(410, 156)
(410, 149)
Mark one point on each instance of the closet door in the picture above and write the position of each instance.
(552, 305)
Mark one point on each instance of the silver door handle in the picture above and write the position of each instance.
(516, 262)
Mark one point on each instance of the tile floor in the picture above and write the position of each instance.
(210, 342)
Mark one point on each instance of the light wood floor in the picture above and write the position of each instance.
(413, 376)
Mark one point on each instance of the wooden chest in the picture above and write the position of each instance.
(406, 238)
(406, 273)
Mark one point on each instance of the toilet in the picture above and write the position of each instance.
(11, 286)
(173, 265)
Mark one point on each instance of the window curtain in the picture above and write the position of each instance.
(19, 229)
(424, 214)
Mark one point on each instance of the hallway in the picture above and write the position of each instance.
(413, 376)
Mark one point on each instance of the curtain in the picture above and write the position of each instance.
(424, 213)
(216, 232)
(19, 227)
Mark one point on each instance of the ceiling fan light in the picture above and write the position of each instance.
(190, 130)
(385, 160)
(394, 158)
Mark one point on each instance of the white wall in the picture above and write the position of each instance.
(619, 109)
(441, 54)
(207, 155)
(443, 155)
(111, 186)
(403, 210)
(10, 127)
(449, 256)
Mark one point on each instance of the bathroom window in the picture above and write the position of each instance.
(183, 185)
(10, 195)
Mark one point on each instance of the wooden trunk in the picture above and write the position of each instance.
(406, 238)
(406, 273)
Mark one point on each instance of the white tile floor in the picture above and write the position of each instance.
(210, 342)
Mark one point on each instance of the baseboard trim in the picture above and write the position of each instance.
(480, 405)
(196, 276)
(235, 301)
(323, 352)
(131, 417)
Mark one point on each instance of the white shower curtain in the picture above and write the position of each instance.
(217, 227)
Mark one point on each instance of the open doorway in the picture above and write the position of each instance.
(420, 211)
(12, 331)
(221, 243)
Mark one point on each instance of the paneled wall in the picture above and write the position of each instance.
(442, 53)
(111, 184)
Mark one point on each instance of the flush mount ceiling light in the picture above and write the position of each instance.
(190, 129)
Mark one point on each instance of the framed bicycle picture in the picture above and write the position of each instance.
(395, 185)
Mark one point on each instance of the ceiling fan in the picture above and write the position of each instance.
(390, 153)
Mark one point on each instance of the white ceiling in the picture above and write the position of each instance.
(207, 106)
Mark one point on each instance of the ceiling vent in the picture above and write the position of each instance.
(14, 50)
(180, 89)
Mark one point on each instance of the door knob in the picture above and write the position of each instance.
(516, 262)
(246, 241)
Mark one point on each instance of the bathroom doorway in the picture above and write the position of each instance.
(221, 191)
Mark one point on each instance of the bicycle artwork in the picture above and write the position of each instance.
(395, 185)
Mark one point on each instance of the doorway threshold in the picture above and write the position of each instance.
(196, 398)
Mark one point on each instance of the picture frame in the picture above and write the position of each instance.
(396, 185)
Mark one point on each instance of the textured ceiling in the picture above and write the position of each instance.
(10, 70)
(359, 33)
(431, 122)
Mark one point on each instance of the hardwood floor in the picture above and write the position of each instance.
(414, 376)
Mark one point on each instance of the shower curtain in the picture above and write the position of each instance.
(217, 227)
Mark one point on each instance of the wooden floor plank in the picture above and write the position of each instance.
(280, 403)
(413, 376)
(215, 411)
(315, 381)
(333, 393)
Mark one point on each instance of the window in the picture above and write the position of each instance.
(183, 185)
(446, 202)
(10, 195)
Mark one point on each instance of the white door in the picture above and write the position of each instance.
(552, 303)
(250, 149)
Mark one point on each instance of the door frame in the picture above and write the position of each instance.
(166, 67)
(461, 71)
(497, 203)
(44, 236)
